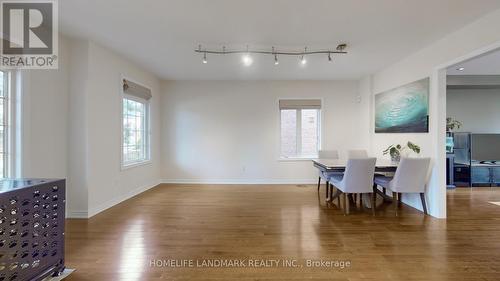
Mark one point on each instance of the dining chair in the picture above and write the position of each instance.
(357, 179)
(357, 153)
(326, 154)
(410, 177)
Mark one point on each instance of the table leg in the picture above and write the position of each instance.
(352, 199)
(386, 197)
(342, 204)
(395, 202)
(327, 187)
(374, 202)
(347, 202)
(334, 196)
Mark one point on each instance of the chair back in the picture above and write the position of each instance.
(357, 153)
(328, 154)
(411, 175)
(358, 176)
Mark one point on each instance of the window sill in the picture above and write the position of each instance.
(135, 164)
(296, 159)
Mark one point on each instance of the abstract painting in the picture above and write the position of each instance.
(404, 109)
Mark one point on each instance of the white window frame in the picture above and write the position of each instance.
(299, 156)
(6, 129)
(147, 120)
(12, 119)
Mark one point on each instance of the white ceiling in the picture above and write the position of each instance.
(161, 35)
(487, 64)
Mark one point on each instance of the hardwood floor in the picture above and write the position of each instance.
(284, 222)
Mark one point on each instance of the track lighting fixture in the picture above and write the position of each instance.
(248, 60)
(204, 54)
(276, 62)
(303, 60)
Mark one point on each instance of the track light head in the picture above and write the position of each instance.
(329, 57)
(205, 58)
(276, 62)
(303, 60)
(247, 59)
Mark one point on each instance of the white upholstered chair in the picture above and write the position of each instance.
(410, 177)
(357, 153)
(358, 178)
(326, 154)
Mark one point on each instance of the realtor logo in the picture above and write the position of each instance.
(30, 32)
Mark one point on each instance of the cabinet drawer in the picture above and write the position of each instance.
(495, 174)
(462, 174)
(481, 175)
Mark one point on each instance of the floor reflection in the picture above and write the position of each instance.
(132, 254)
(298, 224)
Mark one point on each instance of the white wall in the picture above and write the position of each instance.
(77, 186)
(71, 127)
(228, 131)
(107, 183)
(476, 38)
(47, 144)
(477, 109)
(45, 118)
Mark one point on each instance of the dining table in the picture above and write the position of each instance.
(382, 165)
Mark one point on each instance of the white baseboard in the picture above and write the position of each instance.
(106, 205)
(239, 181)
(77, 214)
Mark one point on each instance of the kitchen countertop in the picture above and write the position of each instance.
(486, 164)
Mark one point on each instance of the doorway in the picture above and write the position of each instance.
(473, 132)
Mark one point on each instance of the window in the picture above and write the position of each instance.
(4, 113)
(135, 126)
(10, 124)
(300, 128)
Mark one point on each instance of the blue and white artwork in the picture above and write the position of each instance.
(404, 109)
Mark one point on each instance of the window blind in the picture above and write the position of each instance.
(300, 104)
(136, 90)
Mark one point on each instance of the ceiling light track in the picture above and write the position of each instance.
(340, 49)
